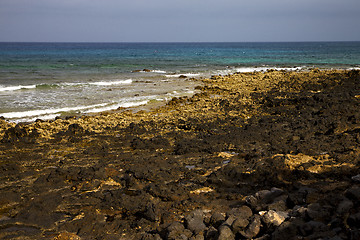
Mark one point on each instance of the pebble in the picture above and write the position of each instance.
(253, 228)
(229, 221)
(253, 202)
(239, 225)
(275, 192)
(273, 219)
(175, 226)
(269, 196)
(194, 221)
(260, 195)
(242, 212)
(217, 219)
(225, 233)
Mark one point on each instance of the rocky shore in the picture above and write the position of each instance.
(270, 155)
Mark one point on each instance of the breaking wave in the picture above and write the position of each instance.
(65, 84)
(109, 83)
(14, 88)
(52, 113)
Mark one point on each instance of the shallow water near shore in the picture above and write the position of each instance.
(46, 80)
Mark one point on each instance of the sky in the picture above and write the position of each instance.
(179, 20)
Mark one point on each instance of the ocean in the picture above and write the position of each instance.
(49, 80)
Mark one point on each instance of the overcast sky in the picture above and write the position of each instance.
(179, 20)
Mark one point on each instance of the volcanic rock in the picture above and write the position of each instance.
(194, 221)
(253, 228)
(225, 233)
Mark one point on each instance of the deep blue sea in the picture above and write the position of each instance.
(45, 80)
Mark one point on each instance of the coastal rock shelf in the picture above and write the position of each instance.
(271, 155)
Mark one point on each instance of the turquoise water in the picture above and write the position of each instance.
(45, 80)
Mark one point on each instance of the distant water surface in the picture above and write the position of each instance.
(45, 80)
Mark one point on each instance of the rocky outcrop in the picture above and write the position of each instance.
(253, 156)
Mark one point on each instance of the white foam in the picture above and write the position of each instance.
(43, 112)
(158, 71)
(153, 71)
(14, 88)
(260, 69)
(116, 106)
(32, 119)
(287, 68)
(256, 69)
(134, 104)
(72, 84)
(100, 83)
(185, 74)
(46, 114)
(250, 69)
(109, 83)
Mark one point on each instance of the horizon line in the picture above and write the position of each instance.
(309, 41)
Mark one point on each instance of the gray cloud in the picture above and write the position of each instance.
(175, 20)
